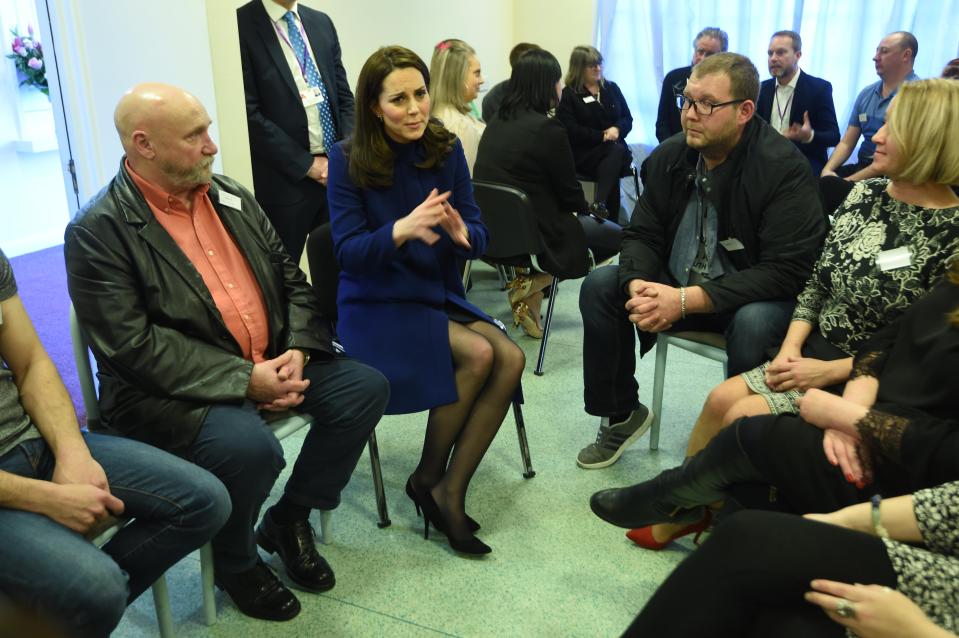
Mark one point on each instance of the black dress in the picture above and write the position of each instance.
(531, 152)
(911, 435)
(585, 117)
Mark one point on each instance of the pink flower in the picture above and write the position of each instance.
(30, 30)
(17, 43)
(19, 50)
(35, 63)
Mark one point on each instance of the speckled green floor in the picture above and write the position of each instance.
(556, 570)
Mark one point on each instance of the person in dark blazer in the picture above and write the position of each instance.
(525, 148)
(707, 42)
(597, 120)
(403, 220)
(797, 104)
(298, 104)
(201, 324)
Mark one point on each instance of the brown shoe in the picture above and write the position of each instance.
(523, 318)
(519, 289)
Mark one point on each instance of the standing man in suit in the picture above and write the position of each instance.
(709, 41)
(797, 104)
(298, 104)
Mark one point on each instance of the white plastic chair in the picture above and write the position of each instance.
(706, 344)
(161, 595)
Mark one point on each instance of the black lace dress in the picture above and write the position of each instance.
(910, 437)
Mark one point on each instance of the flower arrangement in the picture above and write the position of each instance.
(27, 56)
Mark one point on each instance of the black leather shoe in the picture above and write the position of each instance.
(643, 504)
(598, 211)
(296, 545)
(259, 593)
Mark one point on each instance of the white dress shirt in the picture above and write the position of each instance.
(276, 13)
(783, 104)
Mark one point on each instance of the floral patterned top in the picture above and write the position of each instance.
(929, 575)
(848, 295)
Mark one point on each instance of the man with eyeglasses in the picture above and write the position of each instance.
(709, 41)
(722, 239)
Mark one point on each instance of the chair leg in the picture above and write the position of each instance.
(378, 483)
(553, 288)
(503, 278)
(467, 268)
(206, 584)
(326, 526)
(161, 601)
(659, 376)
(523, 443)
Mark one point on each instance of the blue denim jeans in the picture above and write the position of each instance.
(346, 400)
(609, 340)
(176, 506)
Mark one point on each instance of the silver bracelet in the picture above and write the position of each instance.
(682, 303)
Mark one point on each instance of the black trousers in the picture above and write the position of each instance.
(605, 164)
(293, 221)
(749, 577)
(603, 238)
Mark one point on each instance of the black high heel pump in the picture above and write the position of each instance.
(433, 514)
(411, 492)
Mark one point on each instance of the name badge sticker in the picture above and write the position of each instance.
(589, 99)
(231, 200)
(863, 118)
(311, 96)
(732, 244)
(893, 259)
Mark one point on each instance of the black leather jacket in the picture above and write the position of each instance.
(163, 351)
(768, 200)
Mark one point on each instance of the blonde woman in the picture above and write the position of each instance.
(455, 81)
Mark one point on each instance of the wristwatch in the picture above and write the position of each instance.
(306, 356)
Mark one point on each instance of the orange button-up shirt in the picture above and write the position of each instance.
(213, 252)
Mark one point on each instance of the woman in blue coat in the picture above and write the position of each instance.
(403, 221)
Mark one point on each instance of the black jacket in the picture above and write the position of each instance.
(163, 351)
(531, 152)
(812, 95)
(668, 122)
(586, 121)
(279, 139)
(769, 203)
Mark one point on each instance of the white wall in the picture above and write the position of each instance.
(362, 27)
(103, 48)
(555, 25)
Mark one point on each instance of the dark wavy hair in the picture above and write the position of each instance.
(532, 85)
(371, 159)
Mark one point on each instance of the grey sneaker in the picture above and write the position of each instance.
(612, 440)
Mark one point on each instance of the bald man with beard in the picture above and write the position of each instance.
(200, 323)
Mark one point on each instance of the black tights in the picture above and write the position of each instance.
(749, 577)
(488, 367)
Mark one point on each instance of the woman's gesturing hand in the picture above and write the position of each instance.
(420, 223)
(454, 226)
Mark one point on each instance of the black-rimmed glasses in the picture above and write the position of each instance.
(703, 108)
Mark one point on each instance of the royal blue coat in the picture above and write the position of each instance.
(392, 302)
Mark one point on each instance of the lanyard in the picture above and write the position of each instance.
(785, 109)
(306, 52)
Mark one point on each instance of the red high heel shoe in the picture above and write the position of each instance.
(643, 536)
